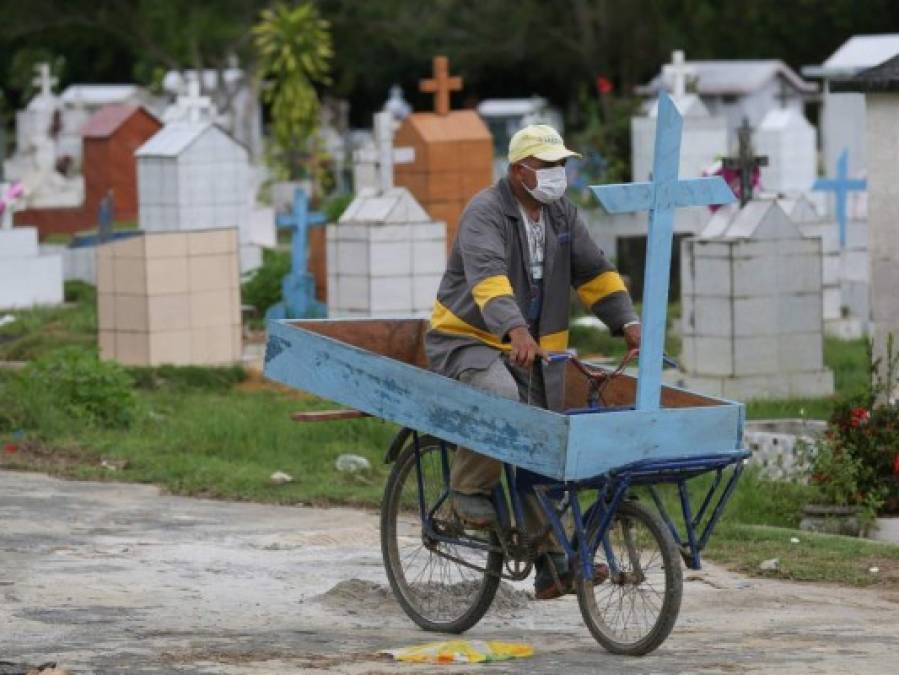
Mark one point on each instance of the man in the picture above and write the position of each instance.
(503, 304)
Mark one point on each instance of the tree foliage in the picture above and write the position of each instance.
(294, 56)
(501, 47)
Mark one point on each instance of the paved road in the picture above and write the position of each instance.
(107, 578)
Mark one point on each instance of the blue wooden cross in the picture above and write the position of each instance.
(298, 286)
(841, 186)
(104, 217)
(660, 197)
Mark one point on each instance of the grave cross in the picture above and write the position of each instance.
(384, 154)
(44, 80)
(193, 103)
(441, 84)
(104, 217)
(298, 286)
(678, 72)
(660, 197)
(745, 163)
(841, 186)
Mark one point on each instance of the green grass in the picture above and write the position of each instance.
(225, 445)
(817, 557)
(206, 432)
(38, 331)
(848, 359)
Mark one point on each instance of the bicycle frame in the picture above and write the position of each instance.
(611, 489)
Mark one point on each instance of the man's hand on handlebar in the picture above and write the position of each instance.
(525, 349)
(632, 336)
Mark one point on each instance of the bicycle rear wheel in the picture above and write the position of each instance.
(436, 592)
(633, 611)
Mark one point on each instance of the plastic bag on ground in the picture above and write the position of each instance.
(461, 651)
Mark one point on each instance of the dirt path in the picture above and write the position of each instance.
(105, 577)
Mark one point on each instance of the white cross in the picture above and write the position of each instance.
(44, 79)
(384, 154)
(677, 72)
(192, 103)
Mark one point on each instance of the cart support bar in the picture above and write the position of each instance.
(327, 415)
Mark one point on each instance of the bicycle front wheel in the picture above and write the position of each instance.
(442, 586)
(633, 611)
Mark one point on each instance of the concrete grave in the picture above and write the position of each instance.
(170, 297)
(453, 153)
(194, 176)
(790, 143)
(27, 278)
(880, 86)
(734, 89)
(232, 102)
(704, 135)
(386, 257)
(751, 290)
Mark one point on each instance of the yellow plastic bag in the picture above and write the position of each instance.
(461, 651)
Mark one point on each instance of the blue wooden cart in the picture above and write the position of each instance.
(580, 470)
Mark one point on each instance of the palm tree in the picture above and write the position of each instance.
(295, 52)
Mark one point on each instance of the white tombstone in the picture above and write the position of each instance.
(233, 97)
(704, 136)
(194, 176)
(789, 142)
(27, 278)
(846, 270)
(752, 307)
(879, 87)
(34, 163)
(373, 163)
(385, 256)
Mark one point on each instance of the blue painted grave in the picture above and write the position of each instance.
(841, 186)
(298, 286)
(660, 197)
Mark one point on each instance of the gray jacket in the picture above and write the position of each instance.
(486, 289)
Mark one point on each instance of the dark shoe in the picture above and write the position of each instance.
(547, 588)
(474, 510)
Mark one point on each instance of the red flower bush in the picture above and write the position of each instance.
(863, 433)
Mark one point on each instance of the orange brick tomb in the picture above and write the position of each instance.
(453, 153)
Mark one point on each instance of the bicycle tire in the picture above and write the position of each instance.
(482, 597)
(670, 570)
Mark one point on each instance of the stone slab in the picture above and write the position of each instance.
(29, 282)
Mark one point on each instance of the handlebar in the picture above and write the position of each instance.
(557, 357)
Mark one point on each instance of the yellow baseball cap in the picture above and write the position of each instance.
(540, 141)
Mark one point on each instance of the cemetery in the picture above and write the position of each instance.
(227, 441)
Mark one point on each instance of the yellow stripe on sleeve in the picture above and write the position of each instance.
(445, 321)
(492, 287)
(555, 342)
(599, 287)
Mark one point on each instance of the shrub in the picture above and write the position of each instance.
(69, 388)
(861, 447)
(263, 289)
(80, 292)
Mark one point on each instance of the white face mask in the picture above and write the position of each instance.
(551, 183)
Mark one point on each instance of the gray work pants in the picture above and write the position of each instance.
(476, 474)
